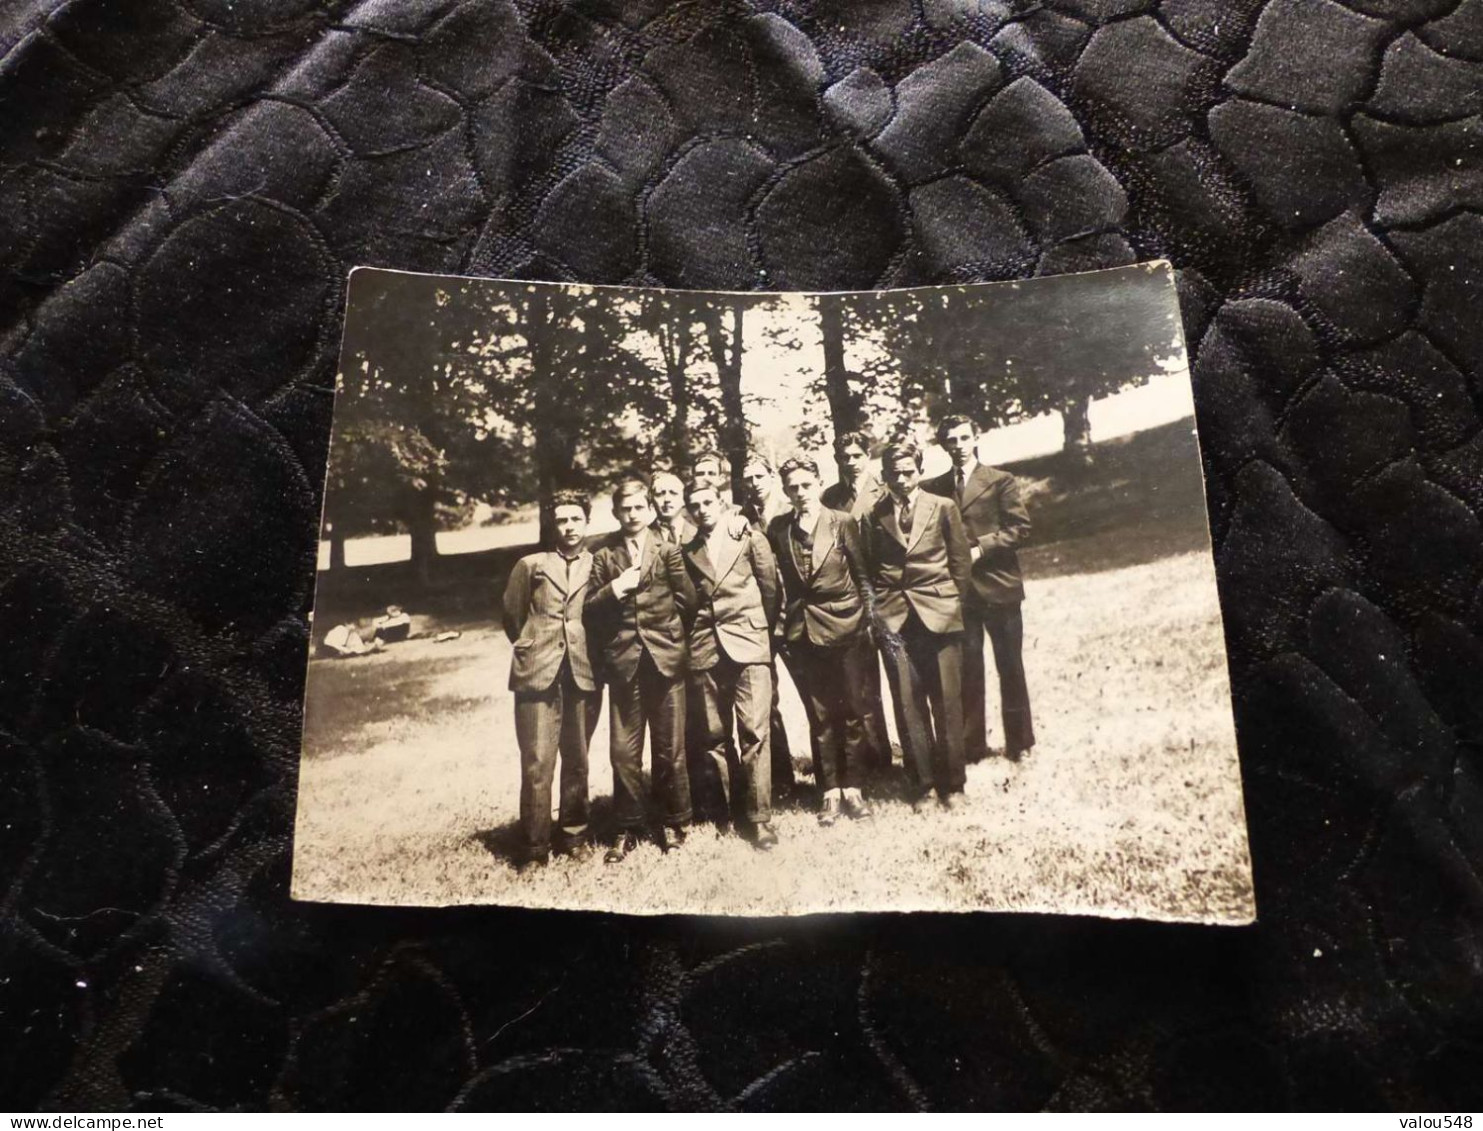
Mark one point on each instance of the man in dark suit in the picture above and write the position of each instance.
(856, 493)
(828, 649)
(996, 521)
(670, 521)
(638, 601)
(858, 489)
(919, 574)
(736, 583)
(557, 697)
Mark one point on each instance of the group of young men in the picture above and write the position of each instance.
(685, 611)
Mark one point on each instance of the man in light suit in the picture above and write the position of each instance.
(638, 601)
(828, 649)
(996, 522)
(707, 792)
(856, 493)
(761, 503)
(919, 574)
(557, 697)
(736, 584)
(670, 522)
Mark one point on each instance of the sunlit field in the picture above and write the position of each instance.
(1130, 805)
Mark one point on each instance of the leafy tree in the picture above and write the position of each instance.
(455, 392)
(561, 370)
(672, 321)
(998, 354)
(412, 434)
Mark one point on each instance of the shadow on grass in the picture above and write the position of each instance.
(339, 709)
(1142, 499)
(506, 842)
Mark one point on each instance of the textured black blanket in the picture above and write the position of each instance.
(183, 186)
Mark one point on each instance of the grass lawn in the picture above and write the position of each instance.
(1130, 805)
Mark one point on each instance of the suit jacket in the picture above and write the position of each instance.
(824, 605)
(760, 518)
(652, 617)
(543, 619)
(687, 531)
(997, 521)
(926, 571)
(857, 504)
(738, 599)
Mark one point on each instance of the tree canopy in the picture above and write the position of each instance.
(454, 392)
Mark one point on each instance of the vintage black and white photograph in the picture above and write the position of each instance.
(656, 601)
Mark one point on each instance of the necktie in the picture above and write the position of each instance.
(962, 483)
(906, 517)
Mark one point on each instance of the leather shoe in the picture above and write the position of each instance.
(625, 844)
(1014, 755)
(533, 862)
(855, 806)
(922, 803)
(829, 812)
(954, 802)
(573, 848)
(671, 837)
(764, 837)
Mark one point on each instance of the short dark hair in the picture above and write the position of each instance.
(755, 456)
(696, 485)
(899, 450)
(797, 463)
(957, 420)
(860, 439)
(630, 485)
(569, 497)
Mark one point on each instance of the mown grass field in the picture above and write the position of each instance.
(1129, 806)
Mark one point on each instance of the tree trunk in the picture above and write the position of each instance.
(845, 410)
(548, 412)
(1077, 428)
(726, 351)
(676, 353)
(422, 524)
(337, 545)
(556, 451)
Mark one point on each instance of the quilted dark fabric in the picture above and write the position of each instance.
(183, 186)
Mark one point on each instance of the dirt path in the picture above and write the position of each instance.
(1130, 805)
